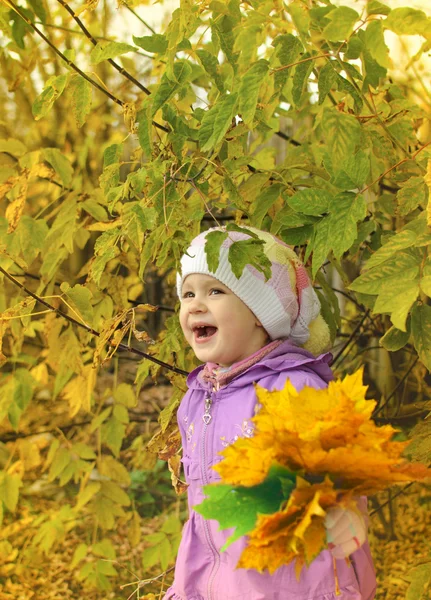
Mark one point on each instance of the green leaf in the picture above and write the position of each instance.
(345, 86)
(125, 395)
(338, 231)
(81, 92)
(394, 339)
(327, 77)
(374, 7)
(150, 557)
(408, 21)
(222, 30)
(110, 467)
(300, 16)
(404, 265)
(239, 507)
(105, 549)
(376, 45)
(39, 9)
(263, 203)
(421, 331)
(85, 495)
(167, 88)
(346, 210)
(44, 102)
(80, 298)
(32, 234)
(400, 241)
(60, 164)
(288, 47)
(311, 201)
(156, 43)
(216, 122)
(300, 77)
(12, 146)
(213, 242)
(211, 66)
(342, 21)
(79, 554)
(9, 491)
(145, 127)
(249, 252)
(59, 463)
(115, 493)
(413, 193)
(249, 90)
(105, 51)
(112, 433)
(397, 298)
(342, 133)
(351, 173)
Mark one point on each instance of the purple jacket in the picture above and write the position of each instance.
(203, 572)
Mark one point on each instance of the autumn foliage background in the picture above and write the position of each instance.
(115, 151)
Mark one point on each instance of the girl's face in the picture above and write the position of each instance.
(216, 323)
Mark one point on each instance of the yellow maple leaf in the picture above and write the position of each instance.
(327, 437)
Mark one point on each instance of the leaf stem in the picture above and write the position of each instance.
(304, 60)
(90, 329)
(398, 164)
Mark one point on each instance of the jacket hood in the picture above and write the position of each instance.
(283, 358)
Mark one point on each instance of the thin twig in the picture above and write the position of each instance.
(62, 56)
(403, 491)
(94, 42)
(399, 384)
(140, 19)
(304, 60)
(91, 330)
(351, 338)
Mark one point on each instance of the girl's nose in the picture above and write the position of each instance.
(196, 305)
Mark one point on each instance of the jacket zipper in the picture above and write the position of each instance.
(207, 419)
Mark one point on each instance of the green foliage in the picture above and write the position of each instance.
(224, 502)
(113, 159)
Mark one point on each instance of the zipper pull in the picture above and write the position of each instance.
(207, 414)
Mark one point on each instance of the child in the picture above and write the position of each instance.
(250, 330)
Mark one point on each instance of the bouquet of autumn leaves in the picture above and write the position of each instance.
(311, 451)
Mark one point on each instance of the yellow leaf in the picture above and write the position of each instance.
(134, 529)
(16, 207)
(174, 465)
(78, 391)
(40, 373)
(328, 438)
(427, 179)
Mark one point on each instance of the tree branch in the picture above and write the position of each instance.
(62, 56)
(94, 42)
(91, 330)
(399, 384)
(72, 64)
(351, 338)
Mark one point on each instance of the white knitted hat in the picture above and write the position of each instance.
(286, 304)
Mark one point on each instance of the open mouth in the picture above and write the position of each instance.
(204, 332)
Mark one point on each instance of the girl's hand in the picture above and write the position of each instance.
(346, 531)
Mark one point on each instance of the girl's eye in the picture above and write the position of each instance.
(188, 295)
(216, 291)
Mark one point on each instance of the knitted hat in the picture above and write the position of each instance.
(286, 304)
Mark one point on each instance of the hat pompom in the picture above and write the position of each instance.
(320, 338)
